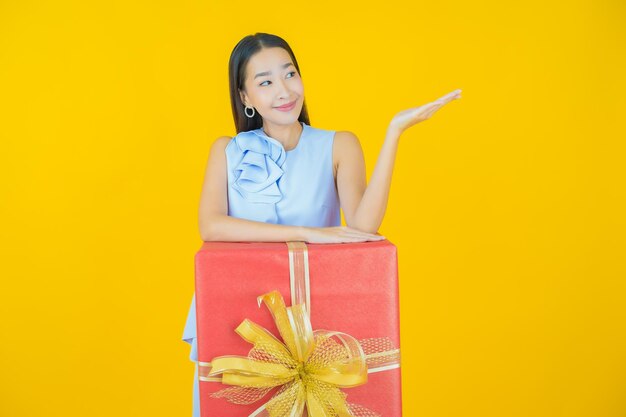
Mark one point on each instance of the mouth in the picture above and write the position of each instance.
(288, 106)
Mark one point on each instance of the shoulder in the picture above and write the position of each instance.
(217, 150)
(346, 146)
(346, 138)
(221, 143)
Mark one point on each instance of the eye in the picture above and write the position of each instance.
(292, 72)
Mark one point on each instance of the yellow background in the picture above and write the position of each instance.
(507, 206)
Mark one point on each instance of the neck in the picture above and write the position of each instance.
(288, 135)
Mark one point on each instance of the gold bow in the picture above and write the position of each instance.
(310, 366)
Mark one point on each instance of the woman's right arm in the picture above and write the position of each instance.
(216, 225)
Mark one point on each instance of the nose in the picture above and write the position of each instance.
(283, 91)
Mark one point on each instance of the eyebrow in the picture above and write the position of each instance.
(261, 74)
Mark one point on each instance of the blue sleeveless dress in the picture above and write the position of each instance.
(268, 184)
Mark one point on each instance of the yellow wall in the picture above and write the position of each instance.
(507, 206)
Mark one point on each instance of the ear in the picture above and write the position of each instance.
(243, 97)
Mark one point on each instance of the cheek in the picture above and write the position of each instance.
(298, 87)
(265, 97)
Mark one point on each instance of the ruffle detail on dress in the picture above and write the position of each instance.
(259, 170)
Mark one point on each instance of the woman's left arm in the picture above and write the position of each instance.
(364, 205)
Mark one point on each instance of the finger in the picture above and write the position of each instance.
(351, 239)
(374, 238)
(359, 234)
(430, 109)
(437, 102)
(428, 114)
(443, 101)
(422, 109)
(450, 96)
(350, 229)
(436, 106)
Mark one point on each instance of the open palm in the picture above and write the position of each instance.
(410, 117)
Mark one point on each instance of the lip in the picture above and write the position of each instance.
(287, 107)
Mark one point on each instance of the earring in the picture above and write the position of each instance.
(245, 110)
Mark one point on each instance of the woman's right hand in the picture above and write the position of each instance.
(337, 234)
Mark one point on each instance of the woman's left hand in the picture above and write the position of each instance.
(410, 117)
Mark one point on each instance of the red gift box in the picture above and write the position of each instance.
(345, 287)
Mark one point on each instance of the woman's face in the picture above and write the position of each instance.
(272, 81)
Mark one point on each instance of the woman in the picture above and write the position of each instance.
(280, 179)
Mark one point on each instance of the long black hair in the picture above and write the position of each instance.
(239, 58)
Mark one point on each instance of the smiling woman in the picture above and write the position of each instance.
(275, 180)
(280, 179)
(268, 88)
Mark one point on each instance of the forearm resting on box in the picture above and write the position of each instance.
(226, 228)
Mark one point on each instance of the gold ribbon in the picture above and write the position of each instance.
(310, 366)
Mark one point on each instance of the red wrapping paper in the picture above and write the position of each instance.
(353, 289)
